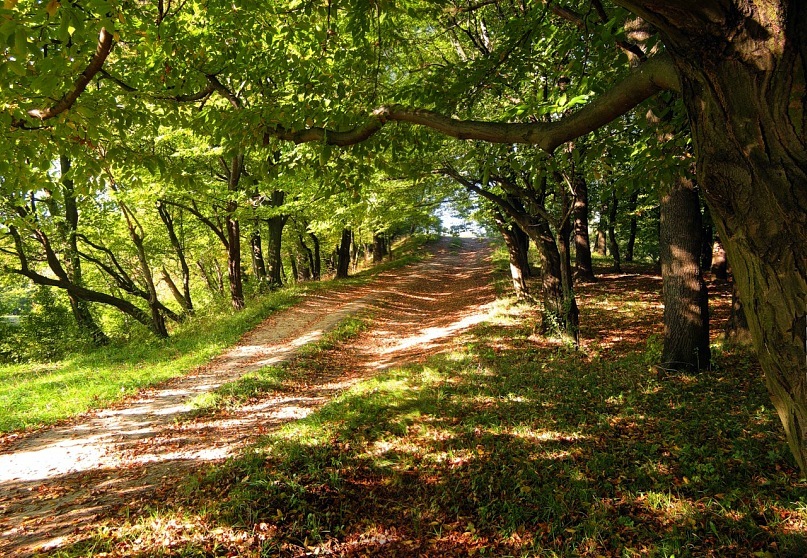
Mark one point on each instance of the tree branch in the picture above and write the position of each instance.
(655, 75)
(101, 53)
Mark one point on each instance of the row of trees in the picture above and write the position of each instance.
(226, 101)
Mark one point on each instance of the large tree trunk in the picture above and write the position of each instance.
(584, 270)
(343, 254)
(742, 70)
(686, 309)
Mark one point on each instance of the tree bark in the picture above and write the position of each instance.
(258, 263)
(584, 270)
(742, 71)
(275, 239)
(720, 263)
(379, 247)
(737, 325)
(601, 243)
(613, 245)
(519, 268)
(343, 255)
(168, 221)
(316, 261)
(632, 204)
(686, 309)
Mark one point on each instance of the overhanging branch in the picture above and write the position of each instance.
(655, 75)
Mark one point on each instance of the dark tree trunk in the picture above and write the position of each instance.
(275, 239)
(379, 247)
(632, 205)
(720, 263)
(571, 315)
(68, 230)
(316, 262)
(584, 271)
(343, 255)
(172, 286)
(707, 236)
(686, 312)
(234, 261)
(613, 245)
(742, 71)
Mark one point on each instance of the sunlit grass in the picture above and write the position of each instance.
(33, 395)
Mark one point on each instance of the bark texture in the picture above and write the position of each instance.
(686, 308)
(584, 270)
(742, 67)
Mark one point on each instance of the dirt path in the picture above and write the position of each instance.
(55, 483)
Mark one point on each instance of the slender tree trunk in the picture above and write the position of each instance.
(168, 221)
(613, 245)
(632, 205)
(234, 261)
(343, 255)
(275, 239)
(686, 311)
(571, 315)
(316, 262)
(258, 263)
(601, 245)
(706, 240)
(172, 286)
(211, 284)
(584, 270)
(720, 263)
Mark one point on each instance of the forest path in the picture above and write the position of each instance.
(56, 483)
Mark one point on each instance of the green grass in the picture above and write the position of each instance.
(506, 447)
(38, 394)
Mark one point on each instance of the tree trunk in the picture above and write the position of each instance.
(275, 239)
(168, 221)
(601, 244)
(234, 260)
(613, 246)
(68, 230)
(720, 263)
(316, 261)
(584, 270)
(737, 331)
(571, 315)
(707, 237)
(519, 269)
(632, 204)
(172, 286)
(686, 311)
(379, 247)
(343, 254)
(211, 284)
(258, 263)
(742, 71)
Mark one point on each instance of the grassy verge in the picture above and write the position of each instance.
(507, 447)
(33, 395)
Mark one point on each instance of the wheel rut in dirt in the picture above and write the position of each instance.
(55, 483)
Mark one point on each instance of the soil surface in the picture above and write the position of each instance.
(60, 482)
